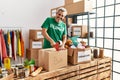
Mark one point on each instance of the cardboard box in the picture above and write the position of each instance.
(35, 44)
(69, 21)
(33, 54)
(35, 34)
(79, 7)
(67, 2)
(79, 30)
(78, 55)
(52, 59)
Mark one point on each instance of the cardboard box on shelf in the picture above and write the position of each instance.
(69, 21)
(79, 30)
(52, 59)
(35, 34)
(79, 6)
(67, 2)
(33, 54)
(77, 55)
(35, 44)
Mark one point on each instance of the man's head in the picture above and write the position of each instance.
(60, 14)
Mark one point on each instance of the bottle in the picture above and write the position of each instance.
(101, 53)
(95, 53)
(7, 64)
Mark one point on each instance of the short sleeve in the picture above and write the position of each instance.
(45, 24)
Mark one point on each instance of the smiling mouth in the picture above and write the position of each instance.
(59, 18)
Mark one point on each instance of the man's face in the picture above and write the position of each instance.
(59, 16)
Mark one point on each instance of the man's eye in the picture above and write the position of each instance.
(60, 15)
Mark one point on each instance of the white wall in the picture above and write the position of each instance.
(26, 14)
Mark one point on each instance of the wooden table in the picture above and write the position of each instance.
(97, 69)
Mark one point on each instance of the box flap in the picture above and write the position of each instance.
(54, 50)
(49, 49)
(71, 50)
(83, 49)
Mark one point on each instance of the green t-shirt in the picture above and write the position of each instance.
(54, 29)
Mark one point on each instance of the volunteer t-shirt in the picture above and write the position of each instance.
(54, 29)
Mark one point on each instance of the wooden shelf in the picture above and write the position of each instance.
(95, 70)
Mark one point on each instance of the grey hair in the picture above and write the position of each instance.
(63, 10)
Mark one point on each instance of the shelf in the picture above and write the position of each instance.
(78, 37)
(74, 20)
(80, 14)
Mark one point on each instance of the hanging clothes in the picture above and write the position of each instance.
(18, 44)
(9, 43)
(6, 42)
(22, 44)
(3, 46)
(15, 45)
(12, 43)
(0, 49)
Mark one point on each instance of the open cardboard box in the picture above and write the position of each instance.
(50, 59)
(77, 55)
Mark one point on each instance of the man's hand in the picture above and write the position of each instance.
(52, 43)
(62, 47)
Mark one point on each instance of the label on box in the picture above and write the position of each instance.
(77, 31)
(39, 35)
(36, 44)
(84, 55)
(74, 1)
(53, 13)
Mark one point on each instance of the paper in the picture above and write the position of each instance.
(39, 35)
(36, 44)
(77, 31)
(84, 55)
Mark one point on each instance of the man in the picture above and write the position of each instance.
(54, 29)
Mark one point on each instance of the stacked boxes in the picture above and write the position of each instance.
(35, 39)
(49, 59)
(35, 44)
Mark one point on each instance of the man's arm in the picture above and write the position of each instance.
(64, 41)
(45, 34)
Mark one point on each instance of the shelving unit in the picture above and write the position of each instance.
(74, 20)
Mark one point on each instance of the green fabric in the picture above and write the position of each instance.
(55, 30)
